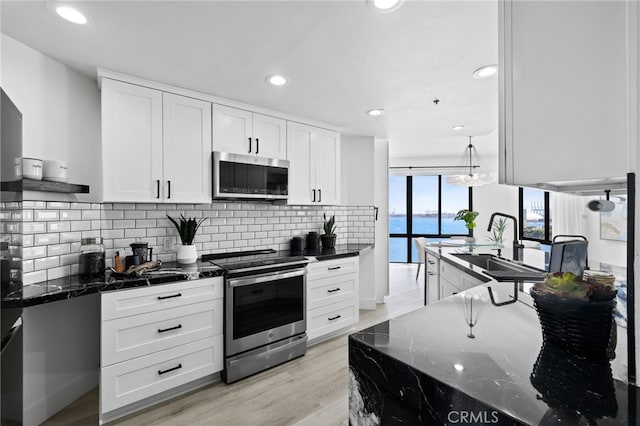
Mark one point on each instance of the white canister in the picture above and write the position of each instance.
(55, 170)
(17, 167)
(31, 168)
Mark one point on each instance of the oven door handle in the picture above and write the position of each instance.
(257, 279)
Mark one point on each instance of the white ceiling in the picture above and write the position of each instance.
(342, 57)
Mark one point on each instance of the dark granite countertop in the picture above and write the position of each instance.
(76, 286)
(492, 370)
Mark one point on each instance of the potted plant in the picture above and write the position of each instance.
(187, 228)
(497, 231)
(576, 313)
(469, 217)
(328, 239)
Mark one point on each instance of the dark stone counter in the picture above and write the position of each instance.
(422, 368)
(346, 250)
(76, 286)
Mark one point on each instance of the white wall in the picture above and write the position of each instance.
(608, 251)
(491, 198)
(61, 113)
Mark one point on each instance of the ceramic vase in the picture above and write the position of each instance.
(187, 254)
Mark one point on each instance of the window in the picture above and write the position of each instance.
(423, 206)
(535, 215)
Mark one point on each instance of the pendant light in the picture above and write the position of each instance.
(470, 164)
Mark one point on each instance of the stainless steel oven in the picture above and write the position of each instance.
(265, 316)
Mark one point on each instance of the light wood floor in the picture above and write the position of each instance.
(311, 390)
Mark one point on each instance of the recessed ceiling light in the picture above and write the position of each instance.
(276, 80)
(486, 71)
(458, 127)
(375, 112)
(458, 367)
(70, 13)
(385, 5)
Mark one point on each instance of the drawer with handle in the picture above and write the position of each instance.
(326, 319)
(136, 301)
(131, 337)
(127, 382)
(330, 290)
(329, 268)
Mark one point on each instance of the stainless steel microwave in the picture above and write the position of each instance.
(248, 176)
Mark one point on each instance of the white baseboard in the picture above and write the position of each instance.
(369, 304)
(57, 399)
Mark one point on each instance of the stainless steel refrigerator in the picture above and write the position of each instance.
(10, 265)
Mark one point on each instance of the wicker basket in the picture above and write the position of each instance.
(580, 327)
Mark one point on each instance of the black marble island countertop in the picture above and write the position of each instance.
(422, 368)
(76, 286)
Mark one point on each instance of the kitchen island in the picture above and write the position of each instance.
(423, 368)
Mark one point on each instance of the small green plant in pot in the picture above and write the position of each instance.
(469, 218)
(328, 239)
(187, 228)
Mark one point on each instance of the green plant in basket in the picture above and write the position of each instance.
(468, 216)
(566, 284)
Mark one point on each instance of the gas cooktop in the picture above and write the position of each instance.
(254, 259)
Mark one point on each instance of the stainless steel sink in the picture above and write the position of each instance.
(500, 269)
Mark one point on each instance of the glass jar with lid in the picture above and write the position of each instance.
(92, 258)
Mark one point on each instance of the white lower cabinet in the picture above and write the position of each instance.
(332, 296)
(154, 339)
(454, 280)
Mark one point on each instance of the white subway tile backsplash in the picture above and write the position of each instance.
(33, 227)
(27, 265)
(34, 205)
(70, 215)
(67, 237)
(228, 226)
(34, 277)
(54, 273)
(80, 226)
(46, 263)
(58, 226)
(44, 239)
(34, 252)
(58, 249)
(90, 214)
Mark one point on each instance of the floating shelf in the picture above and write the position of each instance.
(44, 186)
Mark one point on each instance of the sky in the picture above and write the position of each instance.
(425, 195)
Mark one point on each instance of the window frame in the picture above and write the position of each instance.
(409, 235)
(547, 218)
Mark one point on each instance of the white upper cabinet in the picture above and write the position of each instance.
(131, 142)
(156, 146)
(243, 132)
(186, 149)
(564, 86)
(314, 170)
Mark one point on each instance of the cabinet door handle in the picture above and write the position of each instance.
(431, 262)
(169, 187)
(319, 195)
(334, 290)
(257, 145)
(334, 318)
(333, 268)
(169, 297)
(161, 372)
(249, 145)
(430, 273)
(314, 195)
(158, 188)
(164, 330)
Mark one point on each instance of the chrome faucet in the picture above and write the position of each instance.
(517, 246)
